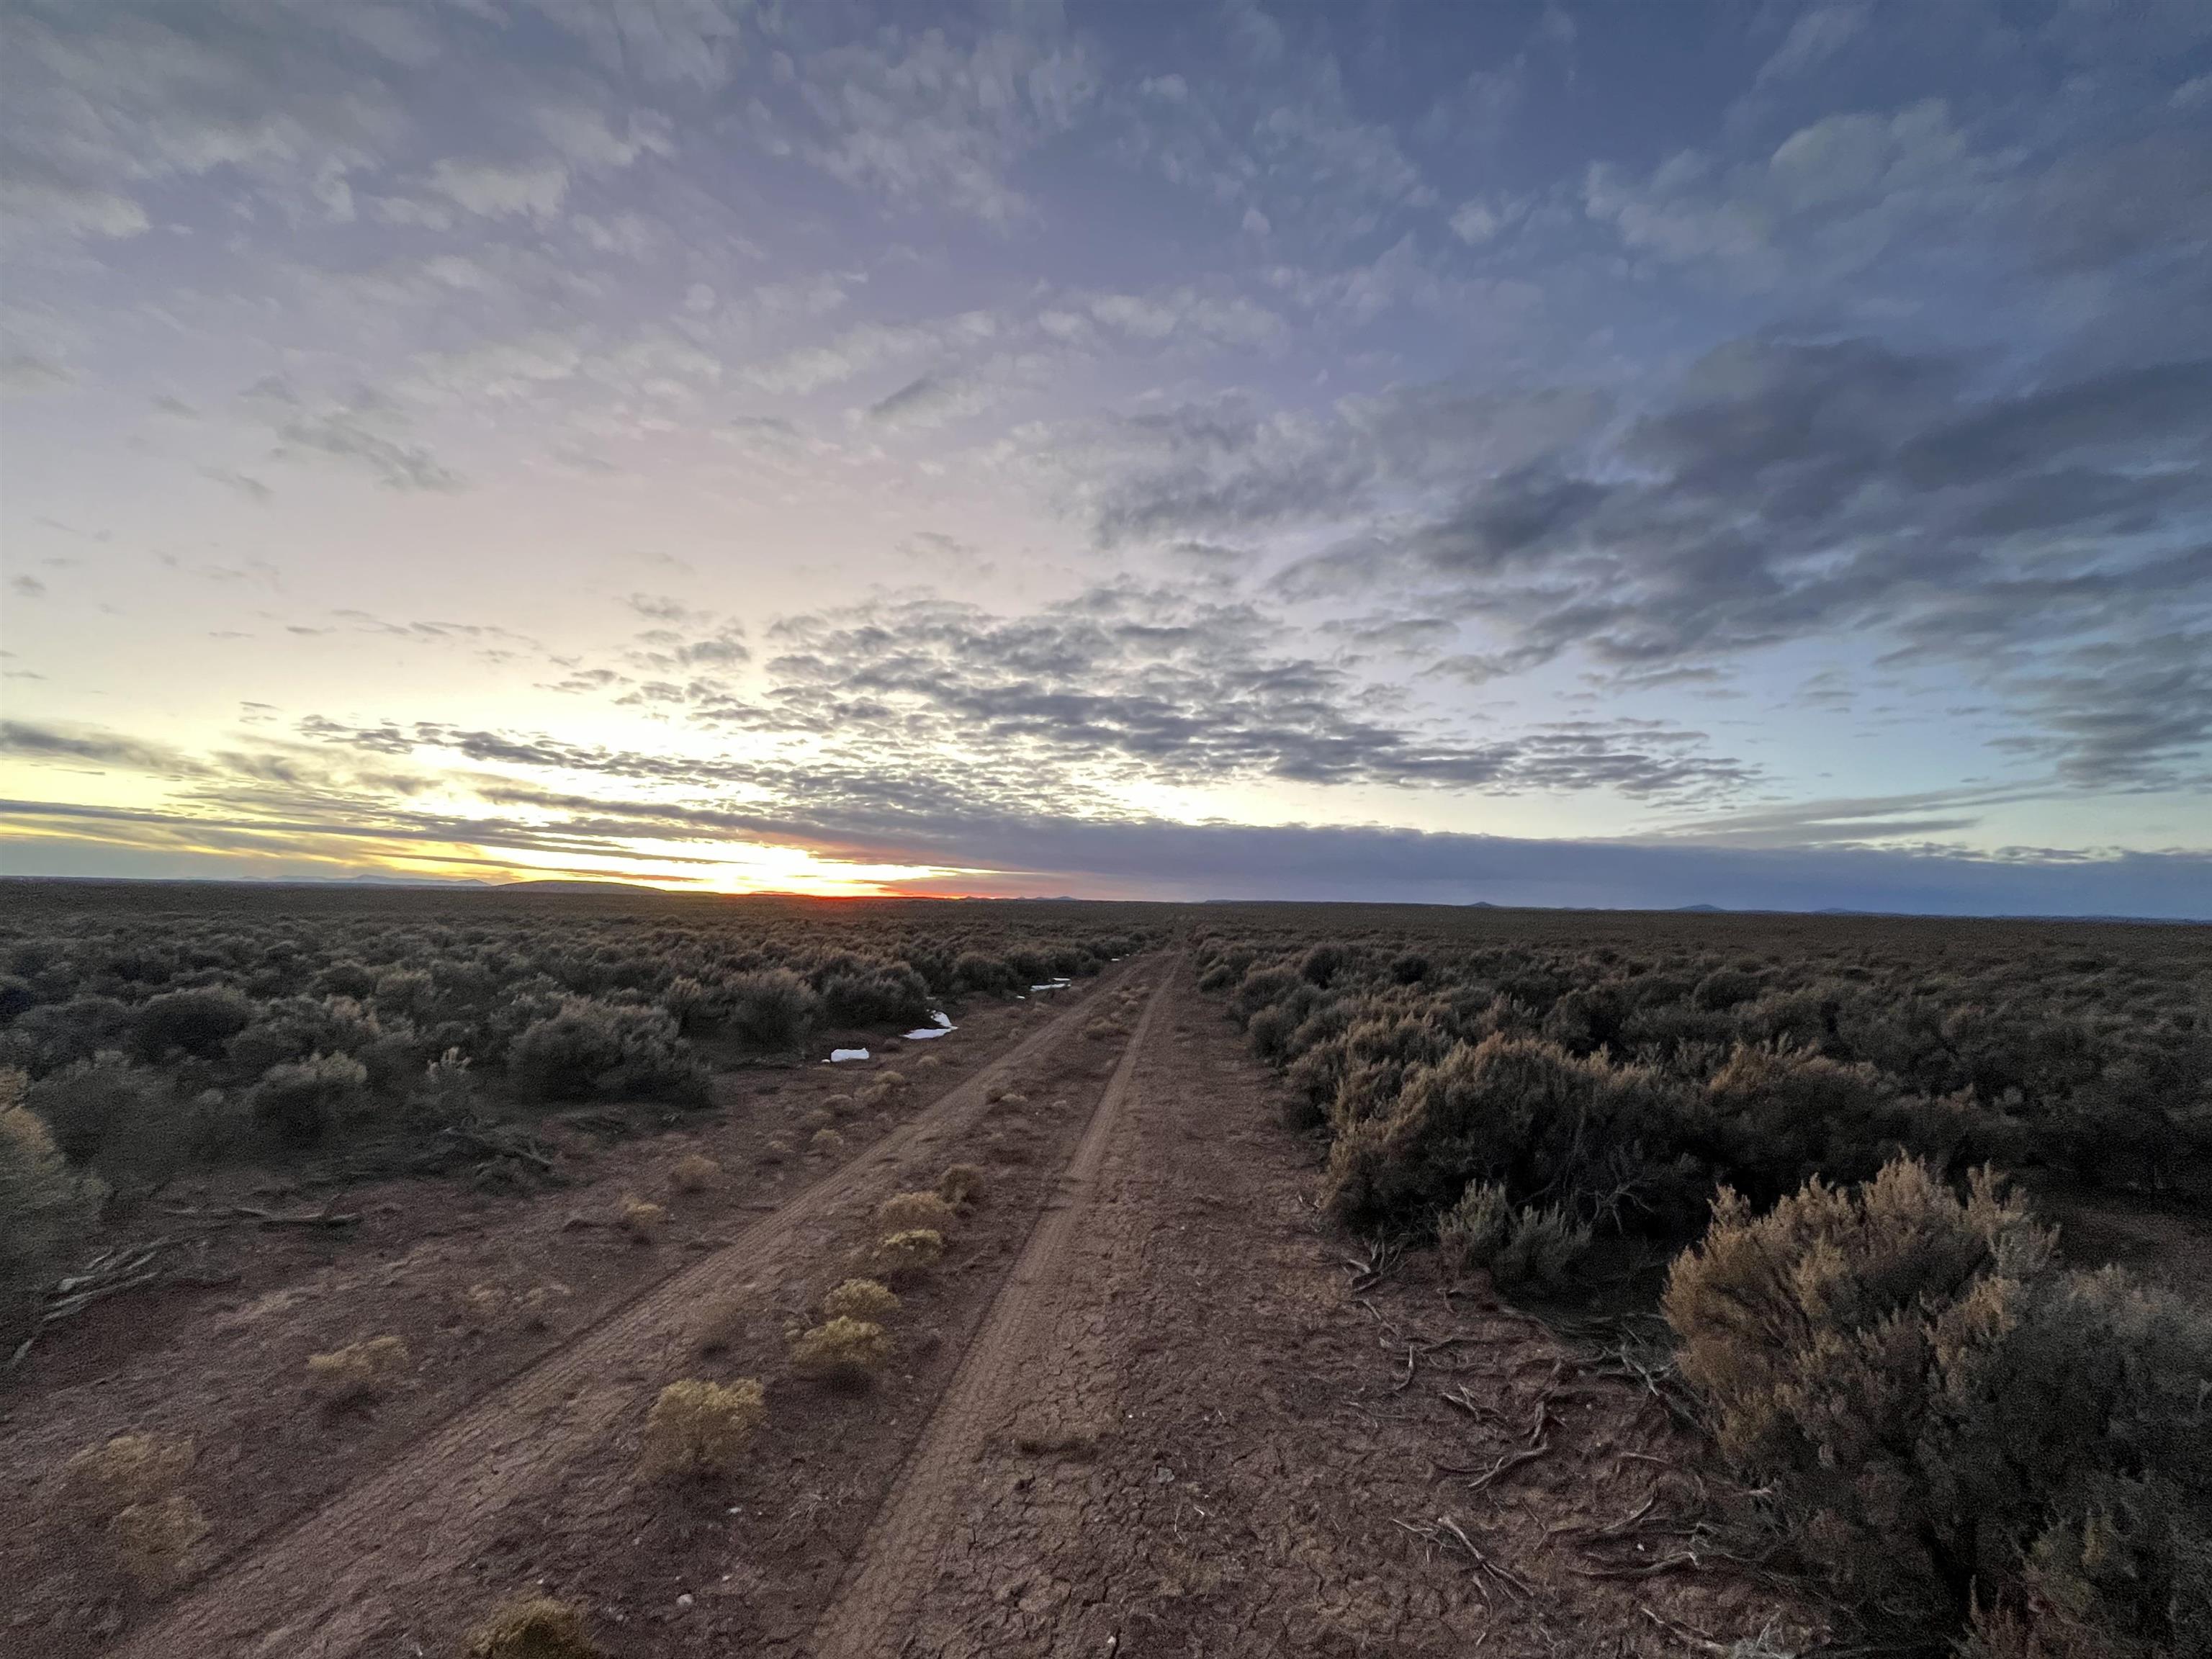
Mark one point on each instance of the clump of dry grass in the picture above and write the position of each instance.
(929, 1063)
(842, 1350)
(482, 1303)
(917, 1209)
(533, 1627)
(859, 1298)
(539, 1302)
(694, 1172)
(909, 1251)
(838, 1105)
(357, 1374)
(962, 1186)
(775, 1150)
(127, 1490)
(641, 1219)
(996, 1090)
(826, 1143)
(697, 1428)
(886, 1088)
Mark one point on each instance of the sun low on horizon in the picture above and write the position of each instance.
(1536, 453)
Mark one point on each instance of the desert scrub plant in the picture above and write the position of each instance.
(694, 1172)
(842, 1350)
(913, 1250)
(1521, 1247)
(128, 1492)
(1946, 1421)
(902, 1210)
(859, 1298)
(303, 1101)
(962, 1186)
(533, 1627)
(47, 1209)
(357, 1374)
(641, 1219)
(698, 1428)
(825, 1143)
(774, 1008)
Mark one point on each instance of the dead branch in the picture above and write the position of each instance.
(1506, 1464)
(324, 1217)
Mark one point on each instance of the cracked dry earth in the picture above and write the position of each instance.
(1137, 1409)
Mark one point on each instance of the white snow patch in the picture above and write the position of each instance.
(943, 1019)
(836, 1054)
(927, 1032)
(1053, 985)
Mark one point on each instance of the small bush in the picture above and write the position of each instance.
(910, 1251)
(842, 1350)
(694, 1172)
(962, 1186)
(698, 1428)
(1947, 1421)
(303, 1101)
(357, 1374)
(46, 1209)
(128, 1492)
(197, 1022)
(535, 1627)
(613, 1051)
(859, 1298)
(99, 1483)
(773, 1009)
(641, 1219)
(903, 1210)
(1521, 1247)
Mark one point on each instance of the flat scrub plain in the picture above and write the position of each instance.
(509, 1273)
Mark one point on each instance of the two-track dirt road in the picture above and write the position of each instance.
(1150, 1417)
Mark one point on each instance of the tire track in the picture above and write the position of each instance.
(890, 1577)
(334, 1580)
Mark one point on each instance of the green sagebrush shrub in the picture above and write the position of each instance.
(1948, 1421)
(46, 1208)
(606, 1048)
(1518, 1111)
(303, 1101)
(1521, 1247)
(772, 1008)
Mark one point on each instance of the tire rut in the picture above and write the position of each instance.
(326, 1585)
(892, 1572)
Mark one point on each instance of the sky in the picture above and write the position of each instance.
(1751, 455)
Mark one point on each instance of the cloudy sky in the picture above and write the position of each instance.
(1555, 453)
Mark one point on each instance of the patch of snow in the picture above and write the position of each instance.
(943, 1019)
(1053, 985)
(927, 1032)
(837, 1055)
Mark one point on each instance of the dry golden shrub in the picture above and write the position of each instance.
(838, 1105)
(919, 1209)
(859, 1298)
(640, 1218)
(482, 1303)
(775, 1150)
(358, 1373)
(1012, 1102)
(698, 1428)
(962, 1186)
(533, 1627)
(151, 1539)
(929, 1063)
(910, 1251)
(694, 1172)
(842, 1350)
(996, 1090)
(826, 1143)
(127, 1491)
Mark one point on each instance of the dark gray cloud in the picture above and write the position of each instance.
(1782, 490)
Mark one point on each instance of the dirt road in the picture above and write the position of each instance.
(348, 1573)
(880, 1599)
